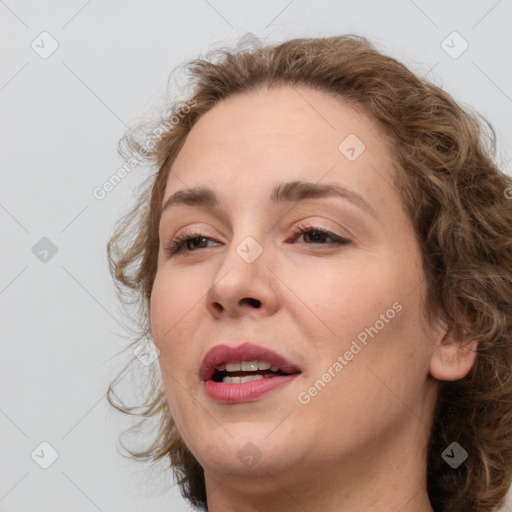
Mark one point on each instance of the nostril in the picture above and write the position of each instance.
(253, 302)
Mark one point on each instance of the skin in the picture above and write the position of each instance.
(360, 443)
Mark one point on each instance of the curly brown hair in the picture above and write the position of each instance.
(460, 204)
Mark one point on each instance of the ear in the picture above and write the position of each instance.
(452, 358)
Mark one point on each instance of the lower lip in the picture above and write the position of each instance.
(245, 392)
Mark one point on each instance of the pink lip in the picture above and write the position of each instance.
(246, 352)
(247, 391)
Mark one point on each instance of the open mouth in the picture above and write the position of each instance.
(245, 371)
(243, 363)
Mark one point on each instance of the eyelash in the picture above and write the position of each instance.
(177, 243)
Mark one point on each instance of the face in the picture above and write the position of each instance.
(341, 302)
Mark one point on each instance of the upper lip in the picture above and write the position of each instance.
(246, 352)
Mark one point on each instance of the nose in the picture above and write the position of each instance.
(240, 287)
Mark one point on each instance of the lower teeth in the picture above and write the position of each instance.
(241, 380)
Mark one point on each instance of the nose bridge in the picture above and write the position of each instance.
(249, 245)
(243, 279)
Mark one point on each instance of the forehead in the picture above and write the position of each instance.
(250, 141)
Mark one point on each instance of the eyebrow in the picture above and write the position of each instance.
(290, 191)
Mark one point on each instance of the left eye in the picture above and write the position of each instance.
(319, 234)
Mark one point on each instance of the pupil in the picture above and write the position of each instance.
(194, 240)
(316, 235)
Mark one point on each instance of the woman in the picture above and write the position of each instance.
(324, 264)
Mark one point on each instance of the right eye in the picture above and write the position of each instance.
(176, 245)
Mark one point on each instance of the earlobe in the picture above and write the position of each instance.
(453, 359)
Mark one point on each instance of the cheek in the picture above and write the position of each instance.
(173, 324)
(352, 295)
(370, 306)
(172, 311)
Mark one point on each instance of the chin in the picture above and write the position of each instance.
(251, 449)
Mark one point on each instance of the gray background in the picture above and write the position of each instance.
(61, 117)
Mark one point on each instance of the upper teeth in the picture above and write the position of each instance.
(246, 366)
